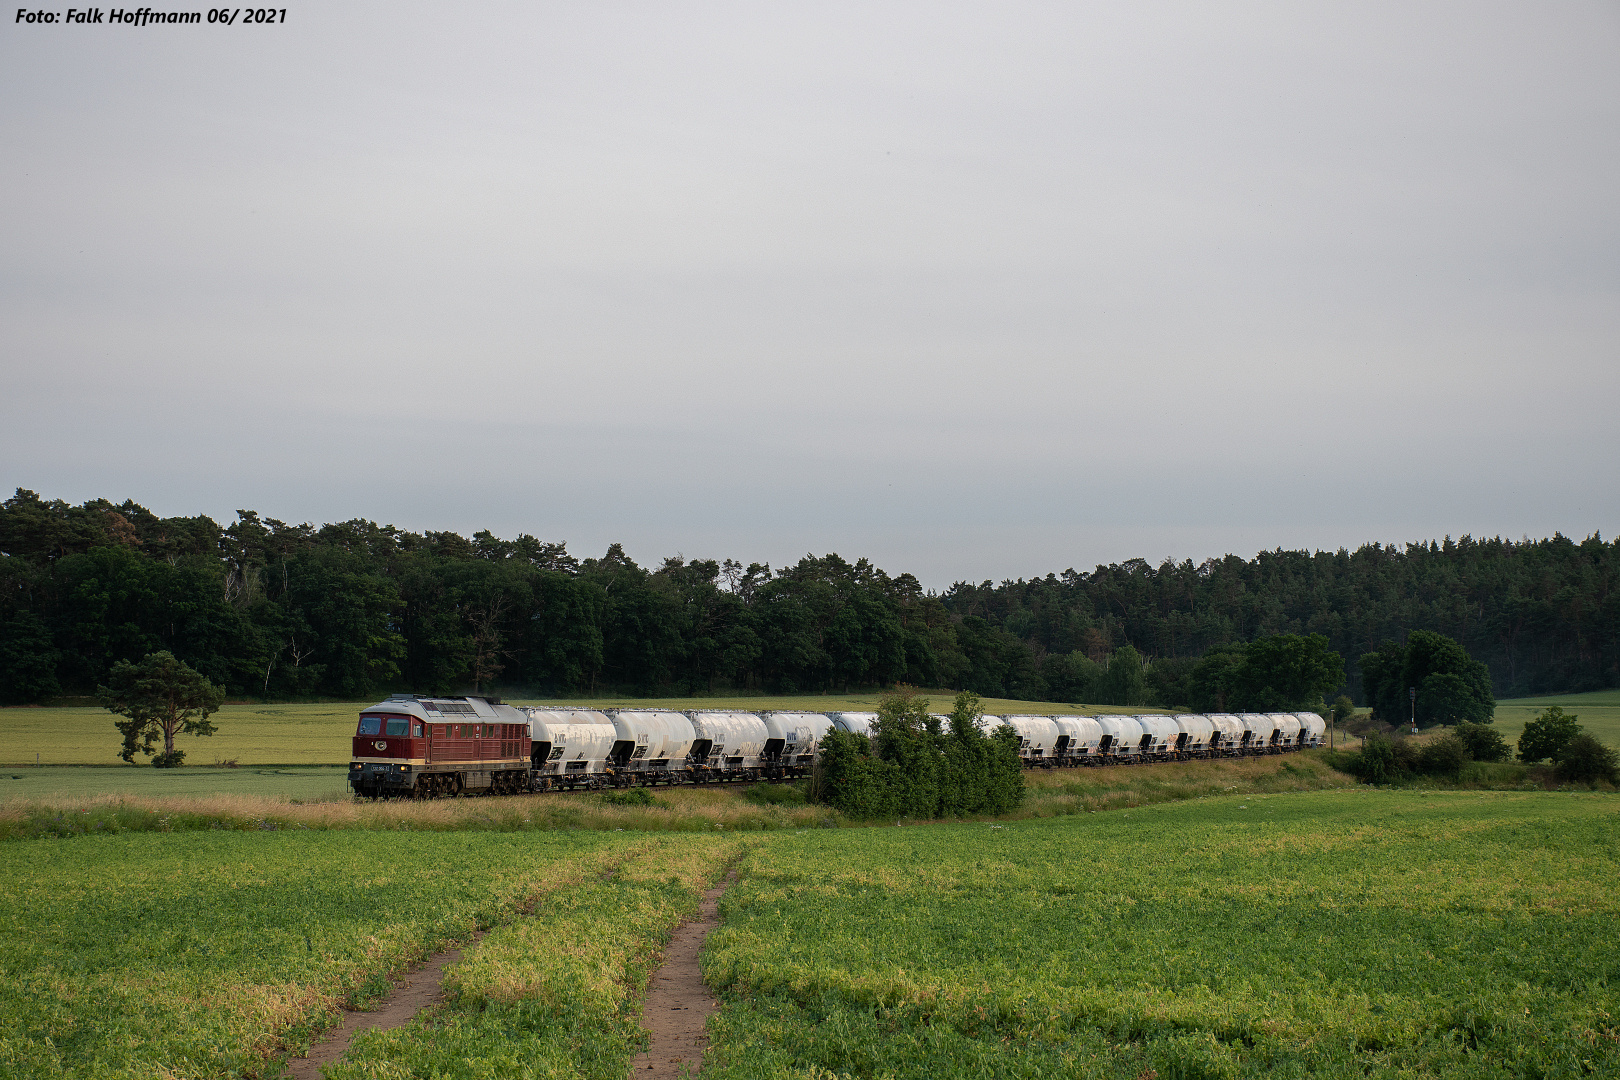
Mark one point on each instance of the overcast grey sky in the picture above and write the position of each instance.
(976, 291)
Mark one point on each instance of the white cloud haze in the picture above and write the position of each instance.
(975, 291)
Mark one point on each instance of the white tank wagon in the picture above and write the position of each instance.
(856, 723)
(1260, 732)
(1037, 738)
(1227, 738)
(1288, 728)
(1077, 739)
(1196, 736)
(1159, 735)
(650, 743)
(1312, 729)
(1121, 738)
(791, 739)
(568, 747)
(727, 743)
(986, 724)
(989, 724)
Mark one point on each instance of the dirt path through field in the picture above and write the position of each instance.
(416, 991)
(679, 1002)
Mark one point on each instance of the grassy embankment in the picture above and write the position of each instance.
(751, 808)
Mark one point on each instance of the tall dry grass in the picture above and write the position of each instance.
(676, 809)
(673, 810)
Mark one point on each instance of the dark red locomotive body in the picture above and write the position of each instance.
(425, 747)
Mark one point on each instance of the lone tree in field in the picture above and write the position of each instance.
(160, 695)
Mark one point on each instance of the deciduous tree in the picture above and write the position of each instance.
(1545, 735)
(1124, 683)
(1451, 686)
(1279, 672)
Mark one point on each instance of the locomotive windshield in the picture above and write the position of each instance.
(395, 725)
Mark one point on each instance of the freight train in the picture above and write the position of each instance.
(431, 747)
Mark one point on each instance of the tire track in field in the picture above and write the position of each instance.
(418, 989)
(679, 1003)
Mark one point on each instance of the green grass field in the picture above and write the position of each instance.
(1344, 934)
(205, 954)
(1334, 933)
(251, 734)
(307, 783)
(555, 996)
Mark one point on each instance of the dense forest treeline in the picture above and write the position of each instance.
(356, 609)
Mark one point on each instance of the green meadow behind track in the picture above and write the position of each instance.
(1599, 714)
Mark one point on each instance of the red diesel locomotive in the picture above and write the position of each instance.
(426, 747)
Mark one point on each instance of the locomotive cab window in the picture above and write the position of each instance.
(370, 725)
(398, 725)
(416, 731)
